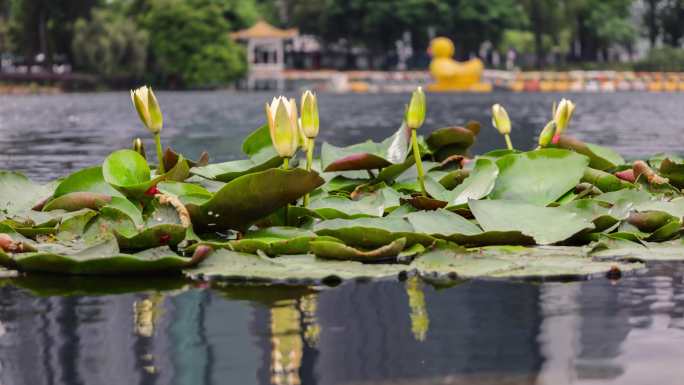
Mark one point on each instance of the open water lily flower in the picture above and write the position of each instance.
(148, 108)
(563, 115)
(283, 125)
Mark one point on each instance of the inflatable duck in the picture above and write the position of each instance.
(451, 75)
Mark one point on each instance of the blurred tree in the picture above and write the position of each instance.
(189, 42)
(651, 20)
(376, 25)
(600, 23)
(45, 26)
(672, 22)
(110, 45)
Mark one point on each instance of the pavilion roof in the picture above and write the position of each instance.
(263, 29)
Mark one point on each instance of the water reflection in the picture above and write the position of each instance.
(170, 331)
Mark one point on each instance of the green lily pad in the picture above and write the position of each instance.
(78, 200)
(370, 233)
(546, 225)
(273, 241)
(332, 207)
(656, 160)
(337, 250)
(227, 171)
(86, 180)
(100, 258)
(672, 171)
(251, 197)
(478, 184)
(449, 141)
(516, 262)
(621, 250)
(258, 145)
(128, 172)
(600, 157)
(162, 227)
(539, 177)
(602, 214)
(19, 194)
(453, 227)
(171, 159)
(367, 155)
(295, 269)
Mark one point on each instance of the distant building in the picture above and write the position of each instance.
(265, 54)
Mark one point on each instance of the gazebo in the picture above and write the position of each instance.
(265, 53)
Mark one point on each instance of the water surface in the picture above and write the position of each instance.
(62, 330)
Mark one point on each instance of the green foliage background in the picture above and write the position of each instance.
(185, 43)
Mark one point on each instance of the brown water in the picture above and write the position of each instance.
(59, 330)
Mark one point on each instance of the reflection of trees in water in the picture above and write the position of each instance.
(623, 323)
(478, 329)
(74, 340)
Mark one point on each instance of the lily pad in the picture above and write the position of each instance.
(672, 171)
(546, 225)
(332, 207)
(251, 197)
(600, 157)
(100, 258)
(539, 177)
(370, 233)
(19, 194)
(621, 250)
(128, 172)
(337, 250)
(516, 262)
(453, 227)
(478, 184)
(296, 269)
(273, 241)
(449, 141)
(367, 155)
(227, 171)
(258, 145)
(86, 180)
(78, 200)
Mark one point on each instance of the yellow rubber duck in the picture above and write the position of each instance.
(451, 75)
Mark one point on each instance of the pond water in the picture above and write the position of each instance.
(67, 330)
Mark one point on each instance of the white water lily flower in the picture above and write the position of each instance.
(563, 115)
(148, 108)
(283, 126)
(500, 119)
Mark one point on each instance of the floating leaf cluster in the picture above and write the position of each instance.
(415, 202)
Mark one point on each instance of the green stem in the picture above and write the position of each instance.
(286, 165)
(309, 163)
(508, 141)
(419, 162)
(160, 154)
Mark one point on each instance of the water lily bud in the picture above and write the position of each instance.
(415, 113)
(547, 134)
(309, 119)
(563, 115)
(500, 119)
(148, 108)
(283, 126)
(139, 147)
